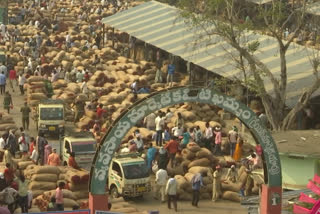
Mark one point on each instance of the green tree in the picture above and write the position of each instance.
(228, 19)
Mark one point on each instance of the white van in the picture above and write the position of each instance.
(128, 176)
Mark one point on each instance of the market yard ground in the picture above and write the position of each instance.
(148, 202)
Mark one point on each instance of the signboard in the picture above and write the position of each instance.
(178, 95)
(105, 212)
(67, 212)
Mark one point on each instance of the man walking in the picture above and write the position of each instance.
(233, 136)
(12, 77)
(25, 110)
(171, 69)
(159, 121)
(161, 179)
(171, 191)
(22, 79)
(2, 83)
(172, 148)
(197, 183)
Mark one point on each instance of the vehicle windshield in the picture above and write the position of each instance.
(135, 170)
(84, 146)
(51, 113)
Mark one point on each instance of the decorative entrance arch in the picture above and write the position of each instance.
(271, 192)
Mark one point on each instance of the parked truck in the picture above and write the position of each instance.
(49, 117)
(128, 176)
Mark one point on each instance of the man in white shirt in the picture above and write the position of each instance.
(139, 142)
(84, 88)
(208, 135)
(149, 121)
(177, 131)
(171, 191)
(159, 121)
(3, 141)
(22, 79)
(161, 180)
(4, 69)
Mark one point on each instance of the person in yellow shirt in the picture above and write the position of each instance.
(53, 158)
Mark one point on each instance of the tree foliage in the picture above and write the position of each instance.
(231, 20)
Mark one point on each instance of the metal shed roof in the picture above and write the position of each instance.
(160, 25)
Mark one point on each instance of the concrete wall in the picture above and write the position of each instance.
(296, 172)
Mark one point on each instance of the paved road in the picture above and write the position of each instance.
(205, 206)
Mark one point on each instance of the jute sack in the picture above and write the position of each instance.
(207, 180)
(187, 154)
(199, 169)
(67, 202)
(232, 196)
(185, 163)
(23, 164)
(81, 195)
(203, 153)
(36, 193)
(177, 170)
(36, 185)
(66, 194)
(35, 79)
(34, 210)
(193, 147)
(200, 162)
(47, 169)
(45, 177)
(234, 187)
(78, 187)
(189, 176)
(243, 177)
(241, 170)
(182, 182)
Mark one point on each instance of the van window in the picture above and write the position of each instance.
(116, 168)
(67, 146)
(135, 170)
(51, 113)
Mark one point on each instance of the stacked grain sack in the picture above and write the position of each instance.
(45, 179)
(192, 160)
(78, 182)
(35, 90)
(6, 123)
(42, 178)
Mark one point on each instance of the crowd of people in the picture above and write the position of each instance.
(170, 142)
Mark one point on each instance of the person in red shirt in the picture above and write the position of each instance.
(8, 174)
(72, 161)
(12, 77)
(172, 147)
(32, 143)
(100, 111)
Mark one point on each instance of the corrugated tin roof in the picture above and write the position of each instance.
(160, 25)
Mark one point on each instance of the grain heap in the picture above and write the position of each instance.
(45, 179)
(6, 123)
(36, 90)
